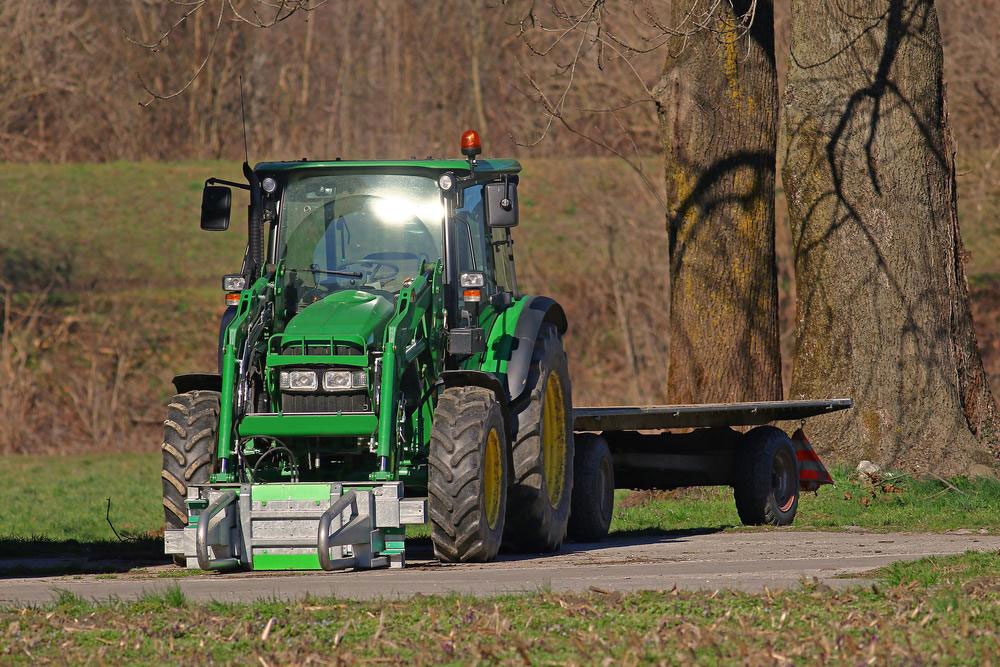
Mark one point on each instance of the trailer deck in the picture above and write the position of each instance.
(663, 417)
(672, 446)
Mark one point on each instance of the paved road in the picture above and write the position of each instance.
(742, 561)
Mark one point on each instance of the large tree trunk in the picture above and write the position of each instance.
(883, 312)
(717, 106)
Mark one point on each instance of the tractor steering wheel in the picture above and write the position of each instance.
(373, 266)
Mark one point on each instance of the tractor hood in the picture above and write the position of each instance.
(344, 313)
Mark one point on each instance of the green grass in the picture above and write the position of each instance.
(904, 504)
(935, 610)
(56, 506)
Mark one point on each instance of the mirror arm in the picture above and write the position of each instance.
(220, 181)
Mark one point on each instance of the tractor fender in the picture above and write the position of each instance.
(194, 381)
(537, 311)
(465, 378)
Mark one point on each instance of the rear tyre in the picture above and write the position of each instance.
(543, 452)
(766, 488)
(189, 439)
(468, 477)
(593, 489)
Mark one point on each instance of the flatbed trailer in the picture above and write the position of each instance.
(673, 446)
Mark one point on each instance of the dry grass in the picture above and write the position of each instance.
(932, 611)
(103, 305)
(89, 374)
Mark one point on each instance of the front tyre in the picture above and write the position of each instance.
(189, 439)
(543, 451)
(468, 476)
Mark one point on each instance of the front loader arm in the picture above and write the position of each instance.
(246, 328)
(403, 344)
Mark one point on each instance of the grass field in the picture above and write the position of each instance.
(930, 611)
(57, 505)
(113, 289)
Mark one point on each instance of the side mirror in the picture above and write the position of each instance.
(500, 204)
(216, 202)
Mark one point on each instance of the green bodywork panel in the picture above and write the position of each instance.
(319, 492)
(308, 425)
(500, 341)
(346, 315)
(263, 560)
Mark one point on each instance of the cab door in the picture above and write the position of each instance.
(475, 255)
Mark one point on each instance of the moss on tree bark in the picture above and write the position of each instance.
(883, 312)
(717, 107)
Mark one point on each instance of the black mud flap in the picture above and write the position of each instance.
(195, 381)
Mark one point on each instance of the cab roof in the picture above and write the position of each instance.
(499, 166)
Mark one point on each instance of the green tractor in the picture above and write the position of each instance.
(378, 368)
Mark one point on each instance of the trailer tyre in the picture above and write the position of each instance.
(593, 489)
(767, 485)
(542, 490)
(189, 439)
(468, 478)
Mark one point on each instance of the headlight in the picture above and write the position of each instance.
(337, 380)
(234, 283)
(299, 380)
(471, 280)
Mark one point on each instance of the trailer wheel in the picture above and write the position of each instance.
(542, 490)
(766, 488)
(189, 439)
(467, 482)
(593, 489)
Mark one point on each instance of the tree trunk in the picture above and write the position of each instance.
(883, 310)
(717, 106)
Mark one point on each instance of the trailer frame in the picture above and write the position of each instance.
(674, 446)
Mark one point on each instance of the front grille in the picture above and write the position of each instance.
(296, 403)
(317, 349)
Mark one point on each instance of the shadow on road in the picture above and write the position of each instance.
(421, 547)
(22, 557)
(41, 557)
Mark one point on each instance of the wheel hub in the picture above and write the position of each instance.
(492, 478)
(554, 439)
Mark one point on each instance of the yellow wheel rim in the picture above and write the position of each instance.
(554, 439)
(492, 478)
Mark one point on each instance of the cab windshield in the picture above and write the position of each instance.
(357, 231)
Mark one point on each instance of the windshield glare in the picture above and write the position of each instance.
(377, 228)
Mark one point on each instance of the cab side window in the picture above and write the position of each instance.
(472, 241)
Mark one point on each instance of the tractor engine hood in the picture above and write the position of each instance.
(344, 313)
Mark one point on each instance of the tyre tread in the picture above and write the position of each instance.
(461, 421)
(188, 449)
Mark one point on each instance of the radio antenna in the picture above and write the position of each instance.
(243, 114)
